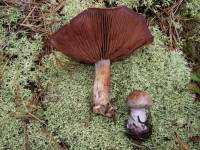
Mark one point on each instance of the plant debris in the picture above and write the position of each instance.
(181, 144)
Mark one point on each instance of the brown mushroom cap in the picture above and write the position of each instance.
(102, 33)
(139, 99)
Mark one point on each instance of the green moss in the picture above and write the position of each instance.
(23, 52)
(14, 15)
(193, 8)
(17, 70)
(74, 7)
(17, 73)
(11, 132)
(152, 4)
(9, 17)
(38, 140)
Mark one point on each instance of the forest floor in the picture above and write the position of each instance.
(45, 96)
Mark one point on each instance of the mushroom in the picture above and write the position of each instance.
(99, 36)
(137, 127)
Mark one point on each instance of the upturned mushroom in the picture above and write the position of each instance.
(137, 126)
(99, 36)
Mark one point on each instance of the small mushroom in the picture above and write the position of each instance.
(99, 36)
(137, 126)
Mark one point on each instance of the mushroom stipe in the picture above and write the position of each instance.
(99, 36)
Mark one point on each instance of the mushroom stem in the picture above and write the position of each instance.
(101, 90)
(138, 116)
(136, 125)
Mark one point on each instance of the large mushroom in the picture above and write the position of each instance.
(99, 36)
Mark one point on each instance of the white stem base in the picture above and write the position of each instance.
(137, 119)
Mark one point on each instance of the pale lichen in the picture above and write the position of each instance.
(193, 8)
(74, 7)
(149, 4)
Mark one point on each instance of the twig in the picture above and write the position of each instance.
(167, 20)
(27, 17)
(60, 145)
(55, 9)
(26, 145)
(43, 122)
(36, 28)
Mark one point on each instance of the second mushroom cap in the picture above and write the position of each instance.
(139, 99)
